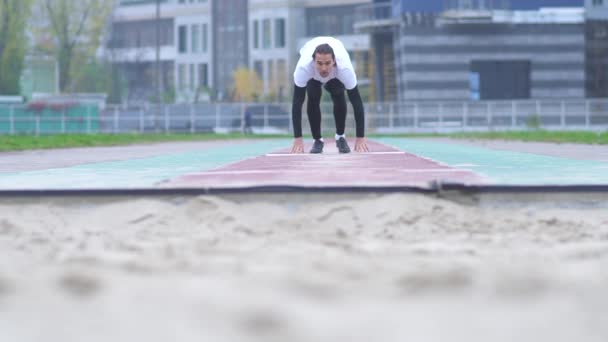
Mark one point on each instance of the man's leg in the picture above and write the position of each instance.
(336, 89)
(313, 107)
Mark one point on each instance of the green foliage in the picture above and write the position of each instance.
(72, 34)
(11, 65)
(13, 17)
(26, 142)
(93, 77)
(168, 95)
(247, 85)
(533, 121)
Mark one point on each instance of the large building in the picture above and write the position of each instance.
(596, 30)
(202, 43)
(402, 49)
(479, 49)
(279, 28)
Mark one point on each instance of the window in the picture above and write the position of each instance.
(281, 70)
(267, 40)
(474, 85)
(499, 79)
(256, 34)
(182, 39)
(191, 77)
(203, 77)
(335, 20)
(258, 66)
(204, 37)
(281, 78)
(271, 73)
(279, 33)
(181, 76)
(196, 38)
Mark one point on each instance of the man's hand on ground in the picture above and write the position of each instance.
(361, 145)
(298, 146)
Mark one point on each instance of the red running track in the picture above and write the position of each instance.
(383, 166)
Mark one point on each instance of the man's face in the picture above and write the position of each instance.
(324, 64)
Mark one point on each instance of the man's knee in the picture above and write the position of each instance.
(335, 88)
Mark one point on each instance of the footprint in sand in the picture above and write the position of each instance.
(80, 285)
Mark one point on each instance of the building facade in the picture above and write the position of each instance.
(513, 55)
(487, 49)
(279, 28)
(596, 31)
(202, 43)
(402, 49)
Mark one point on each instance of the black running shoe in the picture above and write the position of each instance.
(317, 147)
(342, 145)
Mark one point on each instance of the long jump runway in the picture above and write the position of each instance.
(382, 166)
(392, 163)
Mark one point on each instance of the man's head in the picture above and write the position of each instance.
(324, 59)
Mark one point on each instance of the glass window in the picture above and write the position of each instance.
(141, 34)
(258, 66)
(266, 35)
(196, 38)
(279, 33)
(204, 35)
(281, 70)
(282, 80)
(203, 77)
(181, 76)
(182, 39)
(271, 72)
(256, 34)
(330, 21)
(191, 77)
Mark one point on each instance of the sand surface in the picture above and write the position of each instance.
(316, 267)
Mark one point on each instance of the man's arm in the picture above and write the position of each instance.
(299, 94)
(357, 102)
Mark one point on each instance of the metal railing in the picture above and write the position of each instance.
(367, 12)
(391, 117)
(374, 16)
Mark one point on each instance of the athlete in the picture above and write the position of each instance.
(325, 61)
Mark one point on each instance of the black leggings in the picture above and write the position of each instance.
(313, 107)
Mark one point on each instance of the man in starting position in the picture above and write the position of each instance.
(325, 61)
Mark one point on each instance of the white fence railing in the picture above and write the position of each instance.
(407, 117)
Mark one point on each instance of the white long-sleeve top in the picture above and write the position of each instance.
(343, 71)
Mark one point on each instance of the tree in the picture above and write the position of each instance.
(13, 45)
(247, 85)
(71, 31)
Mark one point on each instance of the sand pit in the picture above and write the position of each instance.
(303, 267)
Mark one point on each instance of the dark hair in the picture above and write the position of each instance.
(324, 49)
